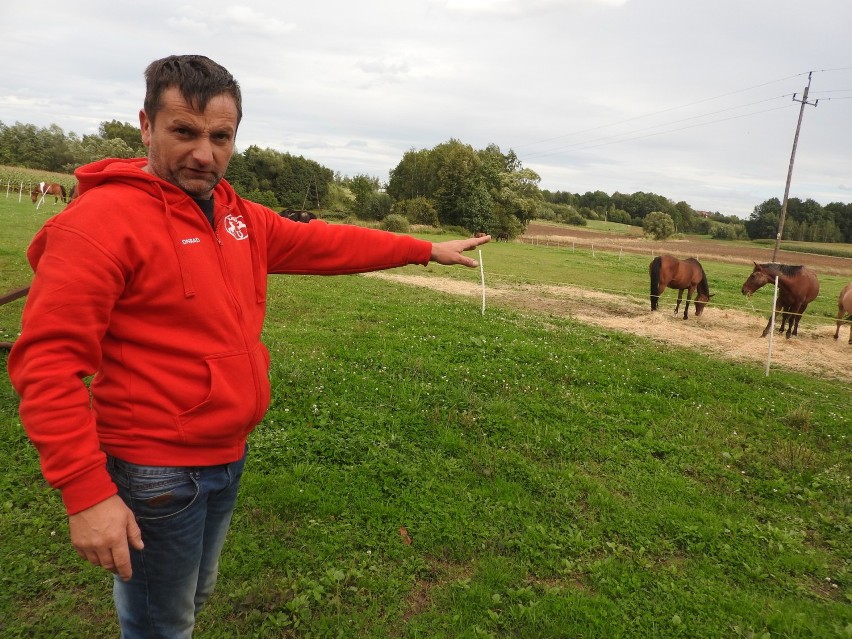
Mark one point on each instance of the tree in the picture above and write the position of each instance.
(377, 206)
(763, 222)
(131, 135)
(457, 172)
(414, 176)
(364, 187)
(598, 201)
(659, 225)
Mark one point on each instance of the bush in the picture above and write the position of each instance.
(266, 198)
(659, 225)
(396, 223)
(563, 213)
(375, 206)
(454, 229)
(619, 215)
(334, 216)
(418, 210)
(723, 232)
(573, 217)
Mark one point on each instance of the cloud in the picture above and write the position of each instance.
(190, 25)
(518, 7)
(248, 20)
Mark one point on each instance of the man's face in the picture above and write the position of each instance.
(189, 148)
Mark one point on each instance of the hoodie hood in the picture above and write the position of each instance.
(132, 172)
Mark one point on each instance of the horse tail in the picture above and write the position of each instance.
(62, 189)
(654, 270)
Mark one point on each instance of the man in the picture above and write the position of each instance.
(154, 281)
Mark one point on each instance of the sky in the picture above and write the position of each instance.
(695, 100)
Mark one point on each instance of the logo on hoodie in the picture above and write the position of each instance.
(235, 226)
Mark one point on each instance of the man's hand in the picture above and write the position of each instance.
(100, 535)
(450, 253)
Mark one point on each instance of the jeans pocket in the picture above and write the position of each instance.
(155, 492)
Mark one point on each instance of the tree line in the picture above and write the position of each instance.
(450, 185)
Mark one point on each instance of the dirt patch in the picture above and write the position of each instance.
(728, 334)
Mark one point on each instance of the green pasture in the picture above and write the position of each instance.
(626, 274)
(555, 480)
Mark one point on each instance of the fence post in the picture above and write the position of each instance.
(771, 327)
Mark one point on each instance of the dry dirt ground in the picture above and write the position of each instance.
(727, 334)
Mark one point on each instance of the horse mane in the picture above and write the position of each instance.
(703, 285)
(783, 269)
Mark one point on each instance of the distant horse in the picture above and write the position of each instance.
(43, 189)
(503, 236)
(684, 275)
(73, 193)
(298, 216)
(844, 307)
(798, 286)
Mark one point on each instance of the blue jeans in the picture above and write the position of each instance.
(184, 514)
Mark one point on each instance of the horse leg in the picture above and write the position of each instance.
(774, 313)
(655, 299)
(768, 325)
(679, 296)
(785, 319)
(797, 318)
(794, 314)
(689, 293)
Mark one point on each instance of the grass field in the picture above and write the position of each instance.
(554, 479)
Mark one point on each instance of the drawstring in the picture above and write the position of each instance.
(188, 289)
(254, 248)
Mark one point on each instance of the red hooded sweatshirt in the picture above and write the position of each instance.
(134, 286)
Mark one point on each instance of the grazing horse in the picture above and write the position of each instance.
(44, 189)
(298, 216)
(798, 286)
(74, 193)
(503, 236)
(844, 307)
(684, 275)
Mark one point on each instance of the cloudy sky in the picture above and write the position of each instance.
(690, 99)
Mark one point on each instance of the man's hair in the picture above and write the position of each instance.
(197, 78)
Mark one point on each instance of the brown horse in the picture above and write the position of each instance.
(844, 307)
(73, 193)
(798, 286)
(684, 275)
(43, 189)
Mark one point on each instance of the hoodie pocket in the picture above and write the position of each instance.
(238, 397)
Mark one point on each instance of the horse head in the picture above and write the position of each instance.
(759, 277)
(701, 302)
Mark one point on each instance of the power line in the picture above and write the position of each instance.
(607, 140)
(579, 146)
(666, 110)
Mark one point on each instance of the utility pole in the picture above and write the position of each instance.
(804, 101)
